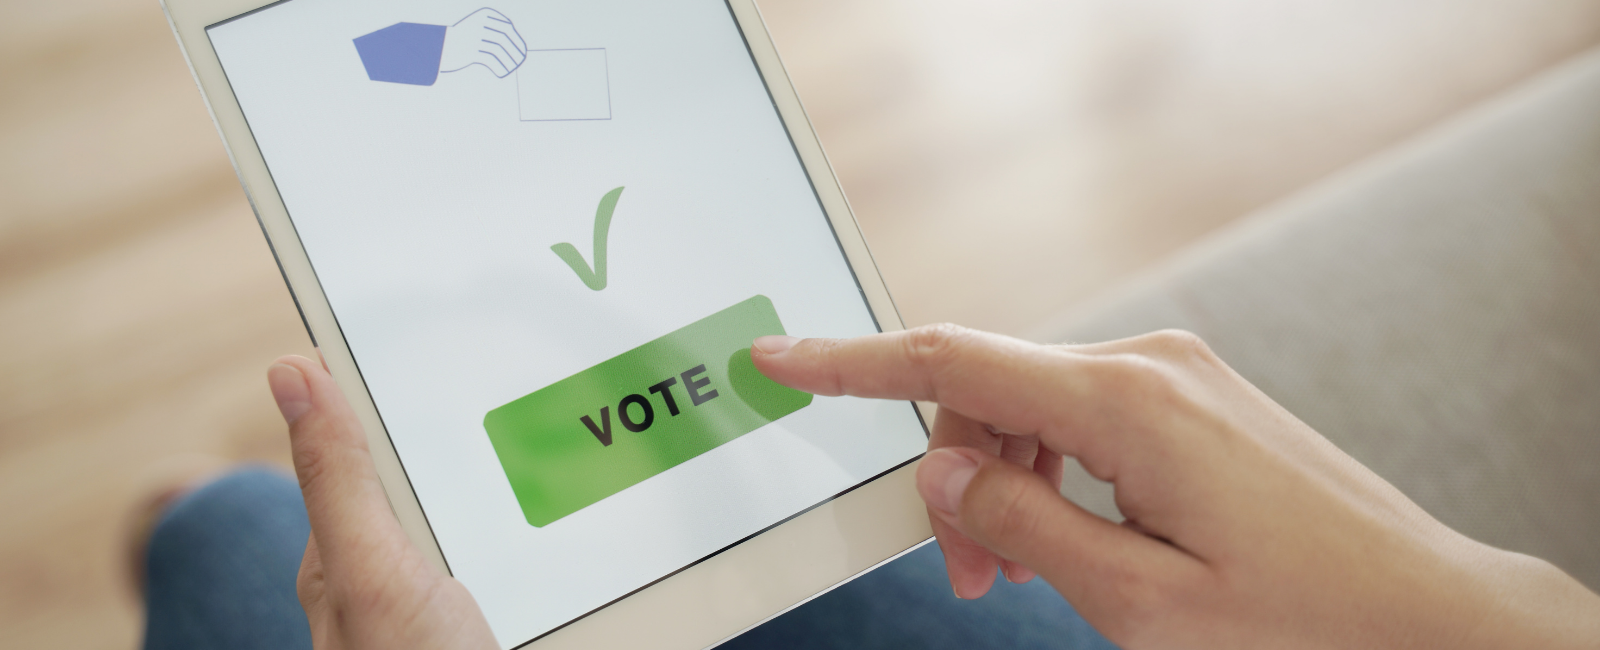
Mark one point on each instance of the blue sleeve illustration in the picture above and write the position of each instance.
(403, 53)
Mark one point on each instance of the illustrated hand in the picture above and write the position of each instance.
(487, 38)
(362, 583)
(1244, 528)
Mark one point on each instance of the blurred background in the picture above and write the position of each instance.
(1008, 161)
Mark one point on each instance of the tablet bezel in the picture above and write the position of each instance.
(714, 598)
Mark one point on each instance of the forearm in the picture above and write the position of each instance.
(1531, 604)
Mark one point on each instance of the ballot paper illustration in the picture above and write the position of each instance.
(552, 85)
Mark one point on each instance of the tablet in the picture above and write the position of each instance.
(534, 241)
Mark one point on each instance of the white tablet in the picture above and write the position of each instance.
(534, 241)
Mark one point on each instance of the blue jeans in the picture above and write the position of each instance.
(222, 563)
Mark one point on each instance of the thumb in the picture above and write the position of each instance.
(345, 502)
(1021, 517)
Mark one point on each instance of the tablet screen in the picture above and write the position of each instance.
(549, 232)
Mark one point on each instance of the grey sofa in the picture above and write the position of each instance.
(1435, 312)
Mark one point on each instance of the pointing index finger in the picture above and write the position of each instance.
(1002, 381)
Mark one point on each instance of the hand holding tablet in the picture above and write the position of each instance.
(362, 582)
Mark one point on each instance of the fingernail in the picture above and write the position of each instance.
(775, 344)
(943, 478)
(289, 389)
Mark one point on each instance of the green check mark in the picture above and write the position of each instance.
(595, 279)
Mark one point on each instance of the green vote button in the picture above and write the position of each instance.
(589, 436)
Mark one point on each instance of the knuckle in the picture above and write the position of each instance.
(1180, 344)
(934, 345)
(1007, 508)
(308, 587)
(1019, 449)
(1136, 374)
(827, 353)
(1147, 392)
(311, 464)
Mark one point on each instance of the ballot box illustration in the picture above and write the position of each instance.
(556, 85)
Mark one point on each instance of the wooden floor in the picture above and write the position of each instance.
(1006, 159)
